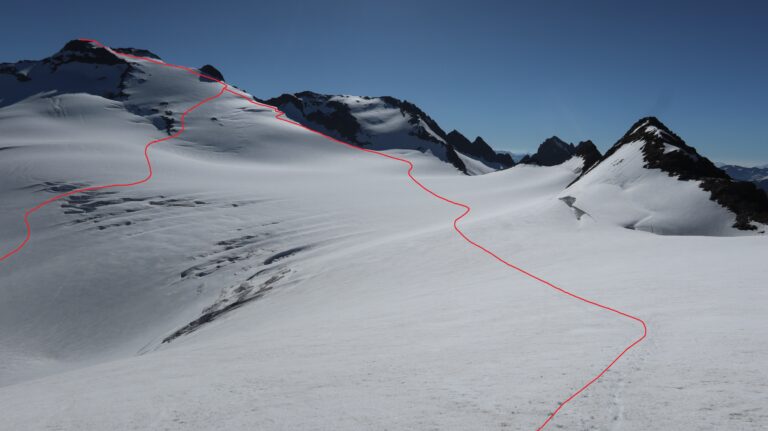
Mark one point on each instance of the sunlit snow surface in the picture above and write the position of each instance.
(622, 191)
(381, 317)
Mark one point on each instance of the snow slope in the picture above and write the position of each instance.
(652, 181)
(622, 191)
(359, 307)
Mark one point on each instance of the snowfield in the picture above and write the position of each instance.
(337, 294)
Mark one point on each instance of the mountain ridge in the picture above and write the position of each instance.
(667, 152)
(554, 151)
(387, 122)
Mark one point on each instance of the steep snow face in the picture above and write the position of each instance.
(652, 181)
(385, 123)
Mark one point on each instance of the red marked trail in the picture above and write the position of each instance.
(279, 115)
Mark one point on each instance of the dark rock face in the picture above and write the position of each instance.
(212, 72)
(742, 197)
(479, 150)
(339, 119)
(757, 175)
(589, 152)
(666, 151)
(455, 160)
(686, 164)
(12, 69)
(555, 151)
(83, 52)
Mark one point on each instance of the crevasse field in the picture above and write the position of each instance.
(339, 295)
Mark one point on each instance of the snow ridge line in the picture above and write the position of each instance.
(150, 172)
(279, 115)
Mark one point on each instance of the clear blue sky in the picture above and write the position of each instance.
(513, 72)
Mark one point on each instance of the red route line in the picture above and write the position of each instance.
(279, 116)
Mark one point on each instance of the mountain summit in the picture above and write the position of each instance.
(79, 67)
(652, 180)
(554, 151)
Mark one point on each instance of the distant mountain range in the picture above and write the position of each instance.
(386, 123)
(555, 151)
(757, 174)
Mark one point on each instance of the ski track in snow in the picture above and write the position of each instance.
(279, 115)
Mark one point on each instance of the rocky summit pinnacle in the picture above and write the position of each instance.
(212, 72)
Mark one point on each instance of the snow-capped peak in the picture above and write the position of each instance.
(652, 180)
(554, 151)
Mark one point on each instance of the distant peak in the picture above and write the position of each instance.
(78, 45)
(651, 121)
(308, 93)
(85, 52)
(212, 72)
(588, 144)
(652, 129)
(589, 152)
(551, 152)
(455, 136)
(649, 124)
(554, 140)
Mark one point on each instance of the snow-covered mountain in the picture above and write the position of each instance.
(554, 151)
(387, 123)
(267, 277)
(75, 69)
(652, 180)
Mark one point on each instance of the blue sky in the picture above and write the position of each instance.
(514, 72)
